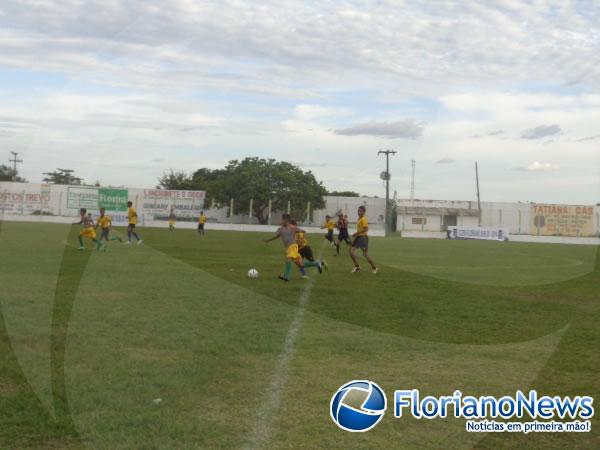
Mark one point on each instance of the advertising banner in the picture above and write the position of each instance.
(112, 199)
(158, 203)
(485, 233)
(562, 220)
(82, 197)
(24, 198)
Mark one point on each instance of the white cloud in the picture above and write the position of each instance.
(537, 166)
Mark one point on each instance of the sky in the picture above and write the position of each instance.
(123, 90)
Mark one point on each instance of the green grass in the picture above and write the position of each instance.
(89, 340)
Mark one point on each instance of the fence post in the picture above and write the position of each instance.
(308, 212)
(270, 210)
(250, 211)
(231, 211)
(289, 208)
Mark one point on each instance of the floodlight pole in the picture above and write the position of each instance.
(478, 195)
(387, 154)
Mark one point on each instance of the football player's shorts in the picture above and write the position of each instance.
(307, 253)
(88, 232)
(361, 242)
(292, 252)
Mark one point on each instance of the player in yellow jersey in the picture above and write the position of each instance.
(132, 218)
(88, 230)
(172, 220)
(361, 240)
(105, 224)
(330, 226)
(201, 222)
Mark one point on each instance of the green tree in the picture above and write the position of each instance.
(256, 179)
(62, 176)
(7, 174)
(343, 194)
(176, 181)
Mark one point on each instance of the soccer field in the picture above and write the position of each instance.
(170, 345)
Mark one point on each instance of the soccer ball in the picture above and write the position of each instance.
(253, 273)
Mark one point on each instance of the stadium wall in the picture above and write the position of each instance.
(519, 218)
(60, 204)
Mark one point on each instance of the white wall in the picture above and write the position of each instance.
(29, 199)
(516, 217)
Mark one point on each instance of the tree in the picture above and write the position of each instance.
(256, 179)
(62, 176)
(343, 194)
(175, 181)
(7, 174)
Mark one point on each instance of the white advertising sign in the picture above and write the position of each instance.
(484, 233)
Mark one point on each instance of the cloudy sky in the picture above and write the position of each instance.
(122, 90)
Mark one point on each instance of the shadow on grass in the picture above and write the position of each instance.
(72, 269)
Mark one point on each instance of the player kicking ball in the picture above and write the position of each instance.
(88, 230)
(105, 224)
(287, 233)
(132, 222)
(361, 240)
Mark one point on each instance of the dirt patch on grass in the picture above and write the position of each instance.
(8, 388)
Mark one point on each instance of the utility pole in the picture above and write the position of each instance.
(478, 195)
(15, 160)
(387, 176)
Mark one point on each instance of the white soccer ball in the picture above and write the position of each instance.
(253, 273)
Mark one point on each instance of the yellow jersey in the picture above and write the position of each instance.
(330, 225)
(104, 221)
(301, 239)
(132, 215)
(362, 226)
(202, 219)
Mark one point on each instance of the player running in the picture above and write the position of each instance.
(172, 220)
(105, 224)
(132, 222)
(343, 235)
(330, 226)
(201, 222)
(88, 230)
(287, 233)
(361, 240)
(303, 247)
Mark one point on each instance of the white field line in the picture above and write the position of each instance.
(262, 429)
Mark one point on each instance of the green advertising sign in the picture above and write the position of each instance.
(112, 199)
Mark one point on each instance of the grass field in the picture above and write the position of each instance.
(90, 341)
